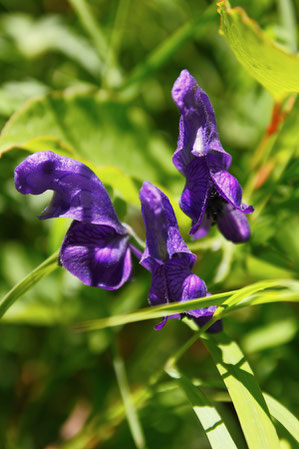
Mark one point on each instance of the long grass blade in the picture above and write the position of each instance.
(244, 391)
(239, 299)
(208, 416)
(43, 270)
(283, 415)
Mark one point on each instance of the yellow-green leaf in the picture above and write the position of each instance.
(272, 66)
(244, 391)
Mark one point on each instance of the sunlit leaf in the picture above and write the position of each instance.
(229, 301)
(212, 423)
(283, 415)
(271, 65)
(244, 391)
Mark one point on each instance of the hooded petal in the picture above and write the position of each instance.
(234, 225)
(198, 132)
(163, 238)
(97, 255)
(194, 287)
(229, 188)
(78, 193)
(196, 192)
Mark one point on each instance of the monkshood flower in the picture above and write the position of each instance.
(96, 247)
(168, 258)
(211, 194)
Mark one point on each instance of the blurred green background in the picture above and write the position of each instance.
(115, 73)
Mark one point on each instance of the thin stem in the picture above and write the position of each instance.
(131, 413)
(90, 25)
(111, 76)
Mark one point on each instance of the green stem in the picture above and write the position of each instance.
(111, 75)
(90, 25)
(43, 270)
(131, 413)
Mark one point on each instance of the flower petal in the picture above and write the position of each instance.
(194, 287)
(160, 325)
(234, 225)
(229, 188)
(78, 193)
(163, 237)
(203, 228)
(216, 327)
(198, 132)
(168, 280)
(158, 293)
(196, 192)
(97, 255)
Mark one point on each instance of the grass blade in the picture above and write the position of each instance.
(43, 270)
(212, 423)
(131, 413)
(283, 415)
(244, 391)
(229, 301)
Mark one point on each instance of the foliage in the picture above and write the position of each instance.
(92, 80)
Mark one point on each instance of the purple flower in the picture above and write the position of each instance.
(96, 247)
(211, 194)
(167, 256)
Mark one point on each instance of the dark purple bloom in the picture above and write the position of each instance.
(211, 194)
(167, 256)
(96, 246)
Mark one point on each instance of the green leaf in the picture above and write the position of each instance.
(106, 133)
(241, 298)
(34, 37)
(276, 69)
(288, 135)
(283, 415)
(244, 391)
(212, 423)
(43, 270)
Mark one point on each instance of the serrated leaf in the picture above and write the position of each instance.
(212, 423)
(43, 270)
(272, 66)
(244, 391)
(106, 133)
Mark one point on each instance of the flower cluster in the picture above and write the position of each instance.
(211, 194)
(97, 247)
